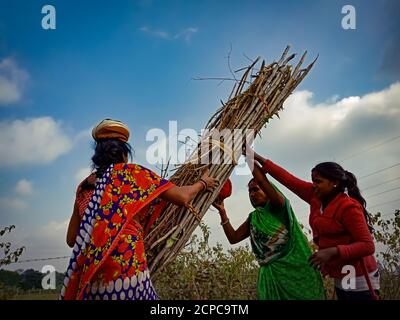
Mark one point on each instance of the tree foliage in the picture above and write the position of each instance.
(387, 233)
(9, 256)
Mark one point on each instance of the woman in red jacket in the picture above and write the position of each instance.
(339, 221)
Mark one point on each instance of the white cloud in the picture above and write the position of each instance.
(12, 81)
(82, 174)
(341, 131)
(185, 34)
(84, 135)
(308, 133)
(53, 228)
(24, 187)
(47, 241)
(12, 204)
(155, 33)
(32, 141)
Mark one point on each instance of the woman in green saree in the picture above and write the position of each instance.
(277, 241)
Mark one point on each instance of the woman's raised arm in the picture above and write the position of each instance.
(233, 236)
(182, 196)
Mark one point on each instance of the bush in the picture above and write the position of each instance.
(203, 272)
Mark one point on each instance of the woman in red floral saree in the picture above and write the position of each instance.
(108, 261)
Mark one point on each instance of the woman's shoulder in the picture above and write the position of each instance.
(136, 169)
(132, 166)
(87, 183)
(346, 202)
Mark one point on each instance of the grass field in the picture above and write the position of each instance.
(32, 296)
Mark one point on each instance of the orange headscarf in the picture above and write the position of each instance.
(109, 128)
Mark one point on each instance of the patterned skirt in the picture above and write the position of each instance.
(137, 287)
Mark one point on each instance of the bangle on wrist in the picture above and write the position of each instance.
(204, 183)
(225, 222)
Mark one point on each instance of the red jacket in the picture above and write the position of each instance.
(341, 224)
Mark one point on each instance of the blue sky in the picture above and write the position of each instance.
(134, 61)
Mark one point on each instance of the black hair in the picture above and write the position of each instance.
(333, 171)
(86, 185)
(251, 180)
(108, 152)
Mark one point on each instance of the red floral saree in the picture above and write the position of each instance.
(108, 261)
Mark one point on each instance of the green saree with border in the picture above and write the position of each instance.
(282, 250)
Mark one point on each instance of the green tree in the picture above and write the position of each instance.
(31, 279)
(387, 233)
(9, 256)
(9, 278)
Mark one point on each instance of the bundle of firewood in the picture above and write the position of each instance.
(254, 100)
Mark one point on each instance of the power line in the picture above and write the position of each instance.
(380, 184)
(381, 170)
(380, 204)
(378, 194)
(42, 259)
(371, 148)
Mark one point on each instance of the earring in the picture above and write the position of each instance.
(335, 185)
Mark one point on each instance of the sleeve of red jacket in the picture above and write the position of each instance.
(363, 245)
(301, 188)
